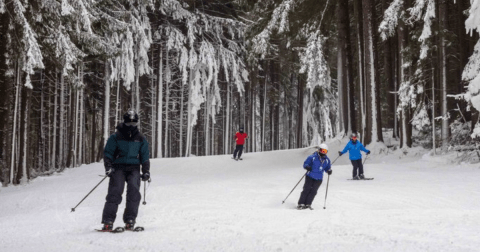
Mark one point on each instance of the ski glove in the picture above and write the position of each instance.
(308, 168)
(329, 172)
(109, 172)
(368, 152)
(340, 153)
(145, 176)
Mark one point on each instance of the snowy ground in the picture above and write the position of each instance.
(415, 203)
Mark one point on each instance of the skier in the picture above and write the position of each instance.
(354, 147)
(240, 137)
(124, 152)
(315, 164)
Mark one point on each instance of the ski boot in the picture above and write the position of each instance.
(308, 207)
(130, 225)
(107, 227)
(356, 178)
(300, 207)
(361, 176)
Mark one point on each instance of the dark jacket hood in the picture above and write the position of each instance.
(127, 131)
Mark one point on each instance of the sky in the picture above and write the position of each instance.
(416, 202)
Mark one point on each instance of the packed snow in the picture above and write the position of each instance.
(417, 202)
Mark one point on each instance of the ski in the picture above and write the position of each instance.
(305, 208)
(115, 230)
(136, 229)
(362, 179)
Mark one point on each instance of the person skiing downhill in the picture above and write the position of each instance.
(354, 147)
(124, 152)
(315, 164)
(240, 137)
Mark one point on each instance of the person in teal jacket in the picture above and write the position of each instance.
(126, 150)
(315, 164)
(354, 147)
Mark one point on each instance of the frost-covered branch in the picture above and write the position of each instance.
(390, 19)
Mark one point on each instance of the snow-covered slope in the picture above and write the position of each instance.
(415, 203)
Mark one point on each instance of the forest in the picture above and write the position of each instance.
(293, 73)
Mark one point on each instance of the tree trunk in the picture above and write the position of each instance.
(159, 103)
(443, 72)
(264, 109)
(361, 67)
(154, 106)
(228, 122)
(61, 154)
(80, 159)
(94, 131)
(343, 108)
(14, 130)
(300, 99)
(374, 130)
(22, 176)
(41, 123)
(180, 138)
(402, 78)
(350, 79)
(167, 102)
(70, 128)
(54, 136)
(188, 144)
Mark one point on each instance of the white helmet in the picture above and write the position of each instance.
(323, 146)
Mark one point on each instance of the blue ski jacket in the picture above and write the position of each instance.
(319, 165)
(354, 150)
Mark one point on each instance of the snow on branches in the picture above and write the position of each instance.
(205, 44)
(279, 22)
(32, 54)
(390, 20)
(471, 73)
(313, 62)
(2, 6)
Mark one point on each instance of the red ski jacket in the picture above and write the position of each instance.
(240, 138)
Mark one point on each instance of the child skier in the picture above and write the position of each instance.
(315, 164)
(354, 147)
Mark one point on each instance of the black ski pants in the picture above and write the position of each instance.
(238, 150)
(357, 165)
(310, 189)
(116, 187)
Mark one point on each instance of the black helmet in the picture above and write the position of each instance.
(241, 129)
(130, 118)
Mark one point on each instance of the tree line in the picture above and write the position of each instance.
(292, 73)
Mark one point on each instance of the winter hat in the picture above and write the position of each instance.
(130, 118)
(241, 129)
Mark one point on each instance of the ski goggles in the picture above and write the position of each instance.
(323, 151)
(131, 123)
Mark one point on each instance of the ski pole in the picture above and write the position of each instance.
(73, 209)
(145, 190)
(325, 203)
(295, 187)
(328, 180)
(365, 160)
(335, 159)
